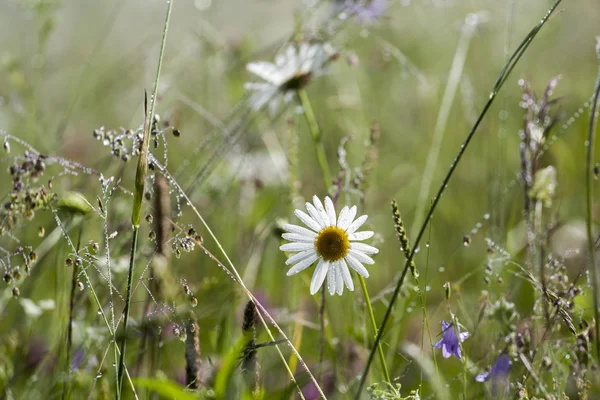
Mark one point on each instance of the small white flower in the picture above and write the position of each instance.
(292, 70)
(331, 242)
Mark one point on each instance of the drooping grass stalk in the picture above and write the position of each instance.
(316, 136)
(589, 200)
(138, 195)
(454, 78)
(236, 276)
(384, 367)
(504, 74)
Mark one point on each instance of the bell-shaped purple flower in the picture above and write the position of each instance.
(499, 370)
(449, 342)
(367, 12)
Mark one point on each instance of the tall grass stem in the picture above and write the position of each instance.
(512, 62)
(140, 178)
(384, 367)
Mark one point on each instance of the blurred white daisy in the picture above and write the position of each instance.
(330, 242)
(292, 70)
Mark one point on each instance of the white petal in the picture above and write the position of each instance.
(265, 70)
(330, 209)
(274, 104)
(296, 237)
(261, 95)
(296, 246)
(315, 215)
(299, 230)
(339, 280)
(346, 275)
(311, 223)
(259, 86)
(331, 278)
(299, 256)
(364, 248)
(357, 266)
(302, 265)
(319, 276)
(346, 218)
(344, 211)
(364, 235)
(362, 257)
(321, 210)
(356, 224)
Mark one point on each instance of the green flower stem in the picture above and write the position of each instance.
(374, 326)
(316, 135)
(140, 178)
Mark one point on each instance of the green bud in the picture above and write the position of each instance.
(74, 203)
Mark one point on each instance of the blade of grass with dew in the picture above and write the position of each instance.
(512, 62)
(138, 195)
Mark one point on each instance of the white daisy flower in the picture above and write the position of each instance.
(292, 70)
(331, 242)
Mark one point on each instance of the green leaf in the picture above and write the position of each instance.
(165, 388)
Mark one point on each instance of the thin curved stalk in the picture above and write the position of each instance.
(589, 200)
(512, 62)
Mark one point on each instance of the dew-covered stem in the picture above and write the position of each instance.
(504, 74)
(138, 194)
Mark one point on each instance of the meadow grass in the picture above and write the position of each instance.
(475, 119)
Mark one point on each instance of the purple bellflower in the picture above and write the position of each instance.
(367, 12)
(498, 373)
(449, 342)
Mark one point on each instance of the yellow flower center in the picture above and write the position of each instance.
(332, 243)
